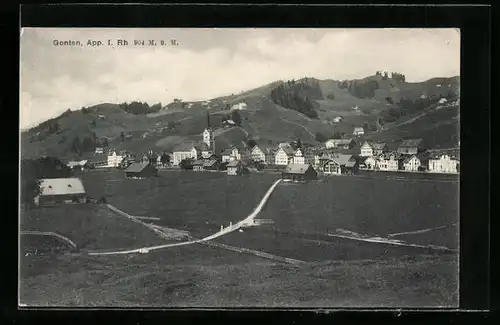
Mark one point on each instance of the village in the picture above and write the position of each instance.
(346, 156)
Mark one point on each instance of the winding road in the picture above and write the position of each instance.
(248, 221)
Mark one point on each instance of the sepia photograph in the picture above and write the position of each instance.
(239, 167)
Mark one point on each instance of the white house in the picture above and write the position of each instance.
(388, 161)
(114, 159)
(258, 154)
(298, 157)
(231, 154)
(184, 151)
(370, 162)
(99, 150)
(366, 150)
(338, 119)
(60, 190)
(284, 156)
(239, 106)
(411, 163)
(444, 163)
(358, 131)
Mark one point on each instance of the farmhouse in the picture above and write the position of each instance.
(230, 154)
(389, 161)
(366, 149)
(114, 159)
(358, 131)
(99, 150)
(340, 143)
(298, 157)
(211, 165)
(284, 155)
(444, 162)
(368, 162)
(198, 165)
(60, 190)
(141, 170)
(338, 164)
(234, 168)
(299, 172)
(379, 148)
(184, 151)
(413, 163)
(79, 165)
(410, 147)
(258, 155)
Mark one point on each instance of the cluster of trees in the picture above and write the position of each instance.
(293, 96)
(32, 170)
(321, 137)
(235, 116)
(363, 89)
(394, 76)
(139, 108)
(83, 144)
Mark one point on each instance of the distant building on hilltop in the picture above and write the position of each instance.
(358, 131)
(54, 191)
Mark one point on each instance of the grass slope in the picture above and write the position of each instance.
(263, 120)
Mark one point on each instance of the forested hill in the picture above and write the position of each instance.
(385, 104)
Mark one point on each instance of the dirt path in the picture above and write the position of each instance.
(248, 221)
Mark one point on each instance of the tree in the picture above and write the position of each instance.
(76, 146)
(165, 159)
(236, 117)
(122, 137)
(299, 143)
(186, 164)
(365, 126)
(251, 143)
(337, 135)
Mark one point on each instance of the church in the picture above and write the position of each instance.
(208, 139)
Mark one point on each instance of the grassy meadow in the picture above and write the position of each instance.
(338, 272)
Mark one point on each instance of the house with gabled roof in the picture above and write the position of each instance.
(414, 163)
(389, 161)
(338, 164)
(258, 154)
(299, 172)
(141, 170)
(184, 151)
(410, 147)
(54, 191)
(198, 165)
(340, 143)
(358, 131)
(444, 161)
(298, 156)
(284, 155)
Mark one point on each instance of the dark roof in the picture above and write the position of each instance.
(410, 143)
(297, 168)
(288, 150)
(202, 146)
(187, 146)
(226, 152)
(209, 163)
(136, 167)
(378, 145)
(387, 155)
(198, 163)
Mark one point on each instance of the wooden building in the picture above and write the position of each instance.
(299, 172)
(54, 191)
(141, 170)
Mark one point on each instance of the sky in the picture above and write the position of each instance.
(208, 63)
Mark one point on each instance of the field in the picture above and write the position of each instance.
(337, 272)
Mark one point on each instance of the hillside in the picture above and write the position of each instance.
(389, 109)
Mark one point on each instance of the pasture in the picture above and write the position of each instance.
(339, 272)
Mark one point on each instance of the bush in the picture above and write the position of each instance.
(320, 137)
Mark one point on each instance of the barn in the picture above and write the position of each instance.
(141, 170)
(54, 191)
(299, 172)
